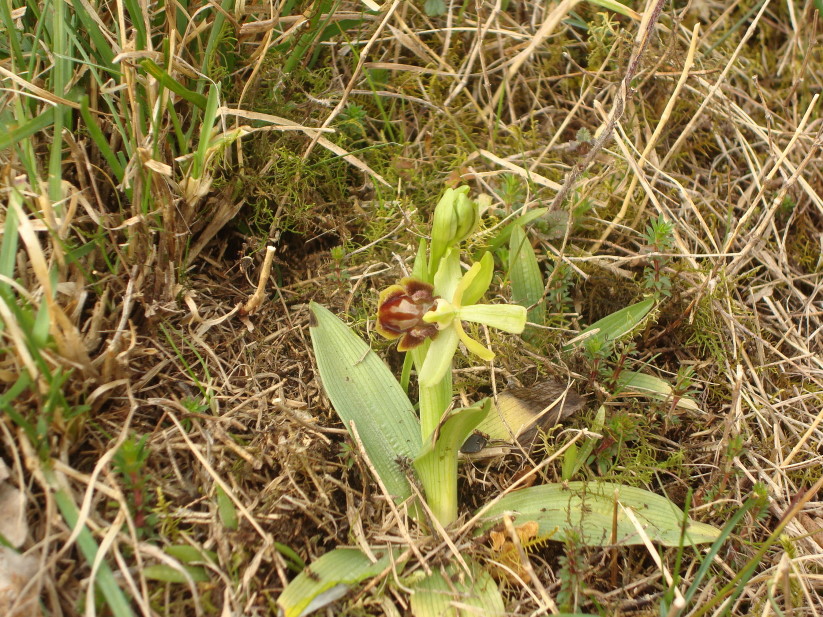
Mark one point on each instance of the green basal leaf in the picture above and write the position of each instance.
(524, 273)
(629, 381)
(451, 592)
(613, 327)
(572, 461)
(364, 392)
(437, 464)
(329, 578)
(588, 508)
(226, 509)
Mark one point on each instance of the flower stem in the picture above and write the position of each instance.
(433, 400)
(438, 475)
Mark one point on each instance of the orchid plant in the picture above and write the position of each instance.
(429, 314)
(426, 312)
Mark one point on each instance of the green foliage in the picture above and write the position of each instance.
(512, 191)
(352, 121)
(434, 8)
(604, 35)
(558, 294)
(706, 332)
(659, 238)
(571, 574)
(130, 463)
(526, 280)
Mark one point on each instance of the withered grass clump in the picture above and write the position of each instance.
(176, 452)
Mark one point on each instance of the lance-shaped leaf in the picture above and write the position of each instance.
(329, 578)
(618, 324)
(649, 385)
(527, 282)
(363, 390)
(454, 593)
(590, 510)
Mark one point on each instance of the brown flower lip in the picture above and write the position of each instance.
(400, 311)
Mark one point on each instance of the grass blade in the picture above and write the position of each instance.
(105, 581)
(167, 81)
(12, 135)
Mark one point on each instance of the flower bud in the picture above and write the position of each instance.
(455, 219)
(467, 215)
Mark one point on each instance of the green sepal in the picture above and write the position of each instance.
(448, 275)
(507, 317)
(480, 284)
(420, 269)
(438, 360)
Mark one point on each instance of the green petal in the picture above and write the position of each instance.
(439, 358)
(506, 317)
(473, 346)
(443, 314)
(481, 283)
(465, 283)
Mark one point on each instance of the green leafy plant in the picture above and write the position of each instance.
(659, 238)
(130, 461)
(425, 313)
